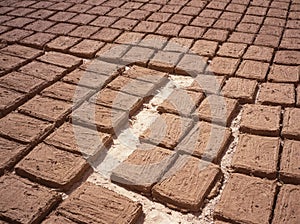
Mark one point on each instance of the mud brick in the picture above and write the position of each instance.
(287, 204)
(99, 10)
(18, 22)
(192, 32)
(103, 21)
(52, 167)
(154, 41)
(289, 167)
(52, 219)
(216, 5)
(43, 71)
(22, 82)
(10, 153)
(38, 40)
(117, 100)
(164, 61)
(257, 155)
(259, 53)
(8, 62)
(180, 19)
(246, 199)
(145, 74)
(206, 141)
(271, 30)
(292, 24)
(169, 29)
(102, 67)
(40, 14)
(62, 43)
(276, 21)
(260, 119)
(234, 50)
(267, 40)
(130, 38)
(291, 123)
(221, 222)
(82, 19)
(21, 51)
(216, 34)
(46, 108)
(217, 109)
(178, 44)
(9, 100)
(25, 202)
(104, 119)
(61, 28)
(107, 34)
(62, 16)
(86, 48)
(225, 24)
(138, 55)
(39, 25)
(143, 168)
(277, 94)
(66, 92)
(191, 65)
(242, 89)
(203, 21)
(207, 84)
(167, 130)
(63, 60)
(170, 8)
(238, 37)
(159, 17)
(232, 7)
(125, 24)
(205, 48)
(23, 128)
(248, 28)
(181, 102)
(283, 73)
(79, 140)
(290, 43)
(41, 5)
(298, 96)
(84, 31)
(177, 188)
(277, 13)
(287, 57)
(86, 79)
(253, 70)
(92, 203)
(151, 7)
(146, 27)
(223, 66)
(61, 6)
(20, 11)
(113, 52)
(138, 14)
(211, 13)
(231, 16)
(189, 10)
(253, 10)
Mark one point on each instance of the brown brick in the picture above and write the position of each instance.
(164, 61)
(223, 66)
(66, 92)
(231, 16)
(146, 27)
(99, 10)
(276, 21)
(217, 109)
(38, 40)
(290, 43)
(167, 130)
(169, 29)
(40, 14)
(178, 44)
(103, 21)
(216, 34)
(256, 155)
(60, 6)
(180, 19)
(199, 141)
(248, 28)
(62, 43)
(191, 65)
(21, 51)
(207, 84)
(238, 37)
(287, 57)
(253, 70)
(82, 19)
(125, 24)
(117, 100)
(79, 140)
(242, 89)
(145, 74)
(205, 48)
(52, 167)
(138, 55)
(20, 11)
(102, 67)
(143, 168)
(170, 8)
(107, 34)
(271, 30)
(46, 108)
(9, 100)
(259, 53)
(10, 154)
(104, 119)
(8, 63)
(276, 94)
(15, 35)
(291, 123)
(284, 73)
(130, 38)
(298, 95)
(189, 10)
(112, 53)
(260, 119)
(211, 13)
(60, 59)
(225, 24)
(93, 204)
(154, 41)
(43, 71)
(62, 16)
(22, 82)
(25, 202)
(79, 7)
(159, 17)
(86, 48)
(203, 21)
(84, 31)
(181, 102)
(267, 40)
(234, 50)
(138, 14)
(61, 28)
(287, 205)
(289, 167)
(39, 25)
(246, 200)
(192, 32)
(177, 188)
(52, 219)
